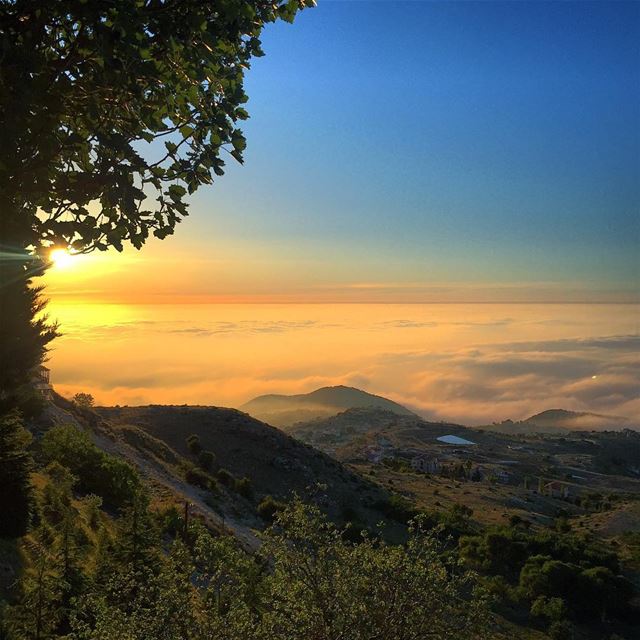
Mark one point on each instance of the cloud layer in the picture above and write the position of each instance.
(469, 363)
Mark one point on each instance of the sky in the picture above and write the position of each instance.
(471, 363)
(417, 152)
(444, 163)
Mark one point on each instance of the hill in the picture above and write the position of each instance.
(274, 463)
(574, 420)
(284, 411)
(358, 426)
(560, 421)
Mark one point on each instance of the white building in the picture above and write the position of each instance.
(41, 382)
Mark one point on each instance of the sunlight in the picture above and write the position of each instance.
(61, 258)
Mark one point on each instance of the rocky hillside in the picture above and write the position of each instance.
(274, 463)
(285, 411)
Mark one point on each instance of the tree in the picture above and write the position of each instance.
(15, 470)
(87, 85)
(84, 400)
(25, 331)
(323, 586)
(38, 612)
(100, 473)
(111, 113)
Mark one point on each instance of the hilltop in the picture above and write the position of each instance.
(286, 410)
(357, 427)
(272, 462)
(577, 420)
(561, 421)
(265, 461)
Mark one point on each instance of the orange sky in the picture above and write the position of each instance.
(176, 273)
(467, 362)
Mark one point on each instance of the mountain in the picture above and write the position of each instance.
(561, 421)
(284, 411)
(574, 420)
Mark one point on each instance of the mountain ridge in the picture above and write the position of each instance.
(284, 410)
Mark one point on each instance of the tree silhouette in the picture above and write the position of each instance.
(15, 468)
(112, 112)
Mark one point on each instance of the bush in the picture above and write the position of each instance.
(206, 460)
(243, 487)
(98, 472)
(269, 507)
(398, 508)
(553, 609)
(193, 444)
(198, 478)
(561, 630)
(225, 477)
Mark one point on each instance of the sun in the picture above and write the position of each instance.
(60, 258)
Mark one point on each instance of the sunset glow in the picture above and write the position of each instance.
(348, 257)
(61, 258)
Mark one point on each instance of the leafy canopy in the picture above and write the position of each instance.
(114, 110)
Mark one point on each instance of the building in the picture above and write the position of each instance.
(503, 476)
(425, 464)
(41, 382)
(556, 489)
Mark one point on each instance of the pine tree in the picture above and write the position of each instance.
(24, 329)
(15, 470)
(38, 612)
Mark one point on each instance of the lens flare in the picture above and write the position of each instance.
(61, 258)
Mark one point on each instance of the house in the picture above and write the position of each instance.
(503, 476)
(425, 464)
(40, 381)
(556, 489)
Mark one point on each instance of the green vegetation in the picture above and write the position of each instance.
(199, 478)
(243, 487)
(97, 472)
(561, 577)
(83, 400)
(114, 579)
(193, 444)
(206, 460)
(15, 469)
(269, 507)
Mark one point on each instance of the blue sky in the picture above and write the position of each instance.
(409, 144)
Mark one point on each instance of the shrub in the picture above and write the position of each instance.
(198, 477)
(561, 630)
(225, 477)
(398, 508)
(243, 487)
(206, 460)
(553, 609)
(269, 507)
(98, 472)
(193, 444)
